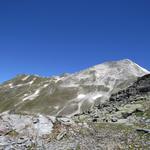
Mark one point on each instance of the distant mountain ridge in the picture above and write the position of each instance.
(68, 94)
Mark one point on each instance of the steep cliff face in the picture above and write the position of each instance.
(68, 94)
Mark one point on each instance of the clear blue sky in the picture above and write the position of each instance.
(49, 37)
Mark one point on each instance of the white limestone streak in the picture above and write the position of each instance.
(32, 96)
(25, 78)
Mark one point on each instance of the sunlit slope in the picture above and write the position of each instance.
(68, 94)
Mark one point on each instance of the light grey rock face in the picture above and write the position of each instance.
(68, 94)
(26, 124)
(31, 131)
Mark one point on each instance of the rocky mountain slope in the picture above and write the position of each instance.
(105, 107)
(68, 94)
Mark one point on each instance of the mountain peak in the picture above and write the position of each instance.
(125, 65)
(70, 93)
(127, 60)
